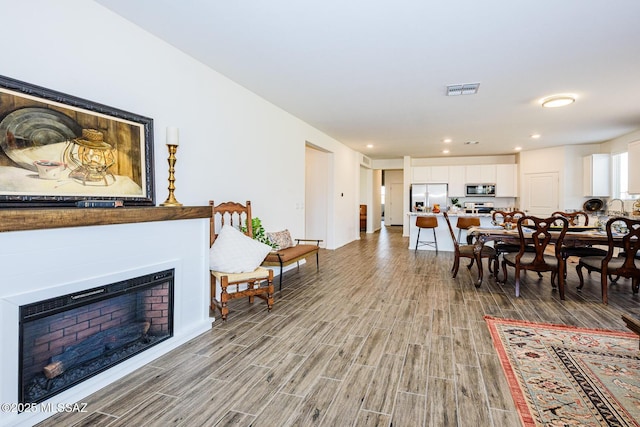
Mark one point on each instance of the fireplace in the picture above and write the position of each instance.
(68, 339)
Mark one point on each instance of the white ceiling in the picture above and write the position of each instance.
(375, 72)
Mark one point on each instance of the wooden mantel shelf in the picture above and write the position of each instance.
(45, 218)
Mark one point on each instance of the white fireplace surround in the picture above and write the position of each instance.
(42, 264)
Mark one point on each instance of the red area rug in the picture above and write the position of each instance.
(566, 376)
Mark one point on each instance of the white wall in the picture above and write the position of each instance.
(567, 162)
(619, 145)
(234, 145)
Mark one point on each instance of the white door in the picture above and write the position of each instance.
(393, 204)
(541, 193)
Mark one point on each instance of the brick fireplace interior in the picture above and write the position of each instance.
(68, 339)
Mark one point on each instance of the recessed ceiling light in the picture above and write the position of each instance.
(535, 136)
(447, 140)
(369, 145)
(558, 100)
(445, 151)
(471, 143)
(518, 148)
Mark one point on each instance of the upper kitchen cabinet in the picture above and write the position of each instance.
(430, 174)
(480, 174)
(457, 181)
(596, 175)
(507, 180)
(634, 170)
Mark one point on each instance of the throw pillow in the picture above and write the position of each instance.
(235, 252)
(282, 239)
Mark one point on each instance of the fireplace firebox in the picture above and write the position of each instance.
(68, 339)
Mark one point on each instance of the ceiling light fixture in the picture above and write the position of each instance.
(445, 151)
(535, 136)
(447, 140)
(559, 100)
(369, 145)
(518, 148)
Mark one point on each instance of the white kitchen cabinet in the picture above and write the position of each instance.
(634, 167)
(480, 174)
(596, 175)
(419, 174)
(456, 181)
(507, 180)
(429, 174)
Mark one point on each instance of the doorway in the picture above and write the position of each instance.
(393, 197)
(317, 183)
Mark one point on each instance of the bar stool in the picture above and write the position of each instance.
(466, 222)
(427, 222)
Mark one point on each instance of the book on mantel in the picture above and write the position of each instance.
(99, 203)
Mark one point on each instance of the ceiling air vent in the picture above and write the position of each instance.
(463, 89)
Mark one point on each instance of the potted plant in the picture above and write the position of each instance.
(258, 232)
(455, 203)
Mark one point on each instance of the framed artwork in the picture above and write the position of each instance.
(58, 150)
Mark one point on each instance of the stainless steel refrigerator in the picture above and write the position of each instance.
(426, 195)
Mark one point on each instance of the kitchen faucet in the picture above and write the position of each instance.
(621, 211)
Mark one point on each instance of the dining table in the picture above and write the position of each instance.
(575, 236)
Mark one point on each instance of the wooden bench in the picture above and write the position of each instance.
(287, 256)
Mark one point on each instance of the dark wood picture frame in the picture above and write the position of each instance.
(58, 149)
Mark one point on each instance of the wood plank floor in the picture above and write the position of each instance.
(381, 336)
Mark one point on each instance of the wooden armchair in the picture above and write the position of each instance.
(256, 282)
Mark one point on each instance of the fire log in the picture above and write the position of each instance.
(94, 346)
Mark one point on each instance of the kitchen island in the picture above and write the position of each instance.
(442, 232)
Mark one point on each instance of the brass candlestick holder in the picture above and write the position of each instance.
(171, 200)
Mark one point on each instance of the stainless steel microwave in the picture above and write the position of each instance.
(480, 190)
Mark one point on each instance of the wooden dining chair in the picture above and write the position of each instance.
(539, 260)
(503, 247)
(466, 251)
(574, 219)
(626, 264)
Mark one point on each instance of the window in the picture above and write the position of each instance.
(620, 175)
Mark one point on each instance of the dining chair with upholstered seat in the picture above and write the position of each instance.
(503, 247)
(466, 251)
(578, 218)
(539, 232)
(626, 264)
(426, 222)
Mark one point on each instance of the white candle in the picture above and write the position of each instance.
(172, 135)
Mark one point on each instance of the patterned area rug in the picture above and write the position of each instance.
(567, 376)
